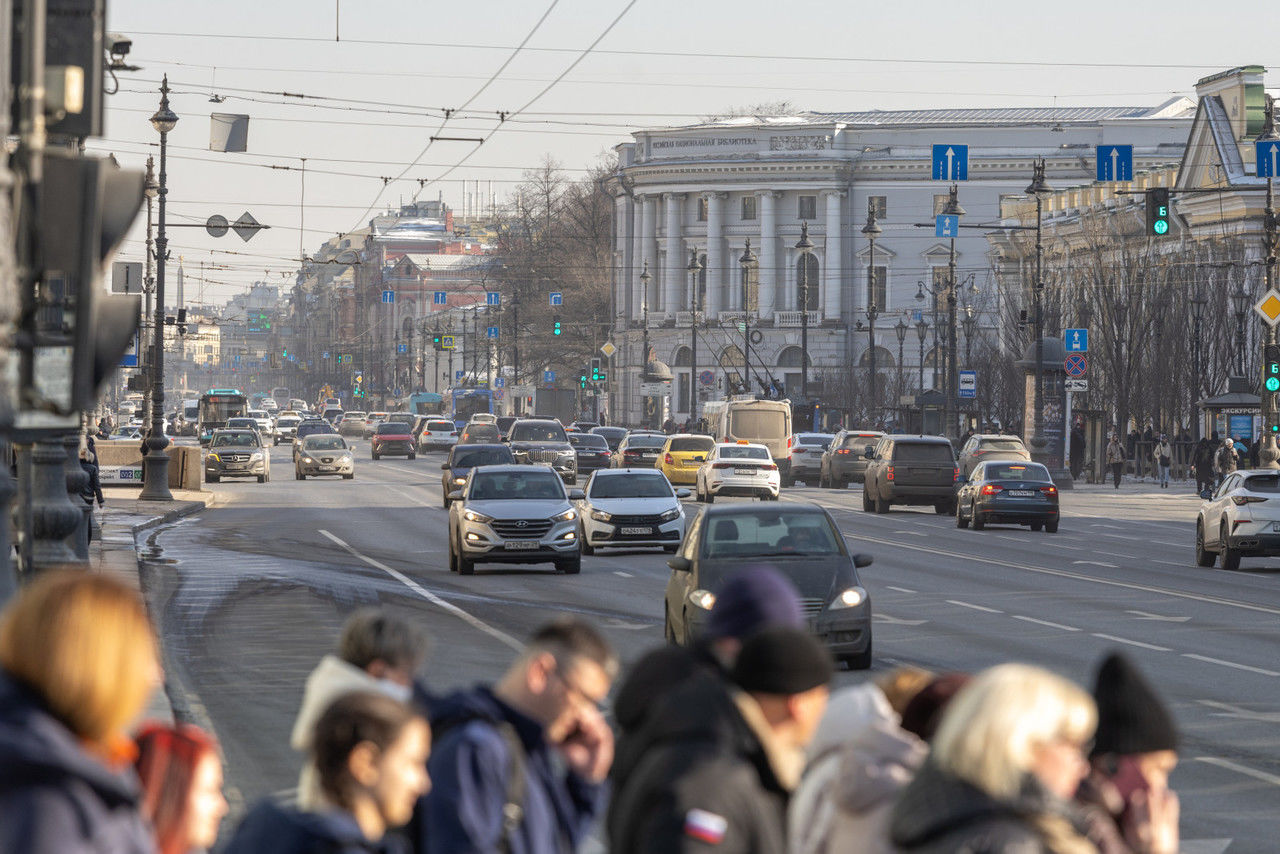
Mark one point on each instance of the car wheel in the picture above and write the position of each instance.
(842, 483)
(1204, 557)
(866, 501)
(453, 557)
(349, 476)
(587, 548)
(824, 482)
(444, 501)
(1051, 526)
(978, 522)
(297, 475)
(861, 661)
(211, 478)
(374, 454)
(1036, 526)
(710, 498)
(961, 522)
(668, 633)
(413, 456)
(686, 634)
(943, 509)
(882, 505)
(465, 565)
(1230, 556)
(569, 567)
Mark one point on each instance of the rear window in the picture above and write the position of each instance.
(1262, 483)
(588, 440)
(441, 426)
(482, 457)
(996, 471)
(646, 441)
(922, 452)
(758, 424)
(693, 443)
(630, 485)
(483, 432)
(737, 452)
(823, 439)
(392, 427)
(769, 534)
(1001, 445)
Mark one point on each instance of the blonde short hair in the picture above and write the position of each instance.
(991, 729)
(83, 642)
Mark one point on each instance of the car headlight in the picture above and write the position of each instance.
(308, 460)
(601, 516)
(850, 598)
(256, 455)
(459, 480)
(703, 599)
(567, 516)
(673, 513)
(473, 516)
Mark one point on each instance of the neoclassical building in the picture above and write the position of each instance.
(704, 191)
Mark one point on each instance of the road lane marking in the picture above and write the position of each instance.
(1232, 664)
(1046, 623)
(899, 589)
(1143, 615)
(1149, 646)
(1240, 769)
(621, 573)
(415, 499)
(975, 607)
(1229, 711)
(1093, 563)
(896, 621)
(1182, 563)
(913, 533)
(429, 596)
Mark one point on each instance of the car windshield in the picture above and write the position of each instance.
(481, 457)
(646, 442)
(242, 422)
(630, 485)
(393, 428)
(325, 443)
(743, 452)
(1001, 445)
(700, 444)
(1030, 471)
(860, 441)
(523, 432)
(923, 452)
(318, 427)
(769, 533)
(440, 426)
(234, 440)
(516, 486)
(589, 441)
(1262, 483)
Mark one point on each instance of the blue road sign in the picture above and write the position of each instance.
(499, 382)
(324, 355)
(457, 375)
(917, 315)
(447, 342)
(1115, 162)
(951, 163)
(492, 298)
(439, 298)
(130, 357)
(402, 348)
(968, 385)
(557, 298)
(548, 376)
(947, 225)
(389, 296)
(1076, 340)
(1266, 153)
(492, 332)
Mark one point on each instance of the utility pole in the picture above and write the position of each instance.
(694, 268)
(1269, 453)
(952, 209)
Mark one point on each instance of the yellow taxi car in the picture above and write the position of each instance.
(682, 455)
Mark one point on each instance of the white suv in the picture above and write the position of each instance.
(1242, 519)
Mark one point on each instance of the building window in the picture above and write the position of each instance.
(880, 205)
(940, 282)
(940, 202)
(702, 208)
(748, 207)
(878, 287)
(808, 207)
(807, 281)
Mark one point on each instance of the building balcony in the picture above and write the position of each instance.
(794, 318)
(685, 318)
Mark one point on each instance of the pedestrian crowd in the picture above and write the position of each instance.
(735, 744)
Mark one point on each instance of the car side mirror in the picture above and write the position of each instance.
(679, 563)
(683, 493)
(444, 467)
(577, 495)
(861, 560)
(456, 495)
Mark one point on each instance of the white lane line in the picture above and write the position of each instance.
(899, 589)
(619, 572)
(1046, 623)
(1149, 646)
(429, 596)
(975, 607)
(415, 499)
(912, 533)
(1240, 769)
(1093, 563)
(1232, 664)
(1170, 562)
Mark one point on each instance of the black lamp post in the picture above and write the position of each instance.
(901, 329)
(970, 324)
(1039, 189)
(804, 246)
(695, 267)
(747, 261)
(155, 465)
(1269, 454)
(1240, 303)
(952, 208)
(922, 332)
(872, 230)
(1198, 303)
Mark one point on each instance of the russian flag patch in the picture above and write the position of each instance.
(705, 826)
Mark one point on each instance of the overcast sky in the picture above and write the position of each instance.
(397, 63)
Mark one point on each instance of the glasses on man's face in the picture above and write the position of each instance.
(578, 696)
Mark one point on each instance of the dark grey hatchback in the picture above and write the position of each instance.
(798, 540)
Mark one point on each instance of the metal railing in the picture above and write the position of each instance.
(793, 318)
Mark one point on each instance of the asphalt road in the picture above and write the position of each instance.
(249, 596)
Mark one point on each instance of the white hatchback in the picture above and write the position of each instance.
(738, 469)
(1241, 519)
(627, 508)
(438, 433)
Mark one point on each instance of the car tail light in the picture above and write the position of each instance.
(955, 475)
(722, 465)
(1049, 490)
(992, 489)
(978, 453)
(843, 451)
(888, 473)
(789, 438)
(770, 467)
(454, 433)
(670, 460)
(1241, 500)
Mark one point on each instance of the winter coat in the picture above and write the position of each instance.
(1224, 461)
(860, 759)
(710, 779)
(1162, 449)
(273, 829)
(469, 766)
(331, 679)
(939, 813)
(1115, 453)
(55, 798)
(1203, 456)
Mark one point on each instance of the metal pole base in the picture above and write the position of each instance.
(77, 482)
(155, 471)
(53, 516)
(1269, 454)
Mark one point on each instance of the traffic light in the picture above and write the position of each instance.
(582, 380)
(555, 326)
(1158, 211)
(1271, 367)
(357, 383)
(436, 341)
(595, 370)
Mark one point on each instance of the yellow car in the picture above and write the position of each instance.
(682, 455)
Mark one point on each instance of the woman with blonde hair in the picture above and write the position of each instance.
(77, 663)
(1006, 760)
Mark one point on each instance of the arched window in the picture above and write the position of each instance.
(933, 358)
(807, 280)
(731, 357)
(790, 358)
(884, 359)
(683, 357)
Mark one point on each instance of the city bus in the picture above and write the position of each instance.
(461, 403)
(425, 403)
(216, 406)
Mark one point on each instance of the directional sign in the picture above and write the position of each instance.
(1076, 365)
(548, 376)
(130, 357)
(439, 298)
(1266, 153)
(492, 332)
(968, 384)
(1115, 162)
(557, 298)
(1076, 340)
(947, 225)
(499, 382)
(1269, 307)
(951, 163)
(388, 296)
(447, 342)
(402, 348)
(1077, 384)
(492, 298)
(499, 393)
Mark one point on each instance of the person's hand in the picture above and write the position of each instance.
(588, 749)
(1151, 825)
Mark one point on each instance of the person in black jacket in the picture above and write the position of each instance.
(721, 758)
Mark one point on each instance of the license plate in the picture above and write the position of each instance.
(748, 472)
(631, 532)
(521, 545)
(327, 468)
(1021, 493)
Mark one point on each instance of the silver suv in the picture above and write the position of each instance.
(236, 453)
(514, 514)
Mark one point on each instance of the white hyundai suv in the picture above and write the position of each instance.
(514, 514)
(1241, 519)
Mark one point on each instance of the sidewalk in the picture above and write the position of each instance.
(1132, 485)
(122, 519)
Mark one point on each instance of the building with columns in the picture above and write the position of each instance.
(704, 191)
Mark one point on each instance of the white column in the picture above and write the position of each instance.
(672, 285)
(831, 269)
(715, 254)
(769, 292)
(637, 257)
(649, 249)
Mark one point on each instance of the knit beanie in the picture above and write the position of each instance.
(1131, 716)
(753, 599)
(782, 660)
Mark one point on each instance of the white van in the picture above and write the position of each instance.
(748, 419)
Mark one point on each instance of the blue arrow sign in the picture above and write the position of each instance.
(951, 163)
(499, 382)
(947, 225)
(548, 376)
(439, 298)
(557, 298)
(389, 296)
(492, 331)
(402, 348)
(1115, 162)
(1266, 153)
(1076, 340)
(492, 298)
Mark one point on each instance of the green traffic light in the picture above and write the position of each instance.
(1161, 226)
(1273, 384)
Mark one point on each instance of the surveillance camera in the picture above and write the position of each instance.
(118, 45)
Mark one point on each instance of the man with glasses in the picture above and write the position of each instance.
(520, 767)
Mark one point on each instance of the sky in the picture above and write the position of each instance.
(377, 77)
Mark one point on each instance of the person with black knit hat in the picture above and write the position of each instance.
(1127, 799)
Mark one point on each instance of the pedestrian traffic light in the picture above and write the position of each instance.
(555, 325)
(582, 380)
(1158, 211)
(595, 370)
(1271, 367)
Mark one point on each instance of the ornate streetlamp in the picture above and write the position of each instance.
(804, 246)
(748, 261)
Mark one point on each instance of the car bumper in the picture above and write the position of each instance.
(589, 464)
(394, 449)
(605, 534)
(438, 441)
(1255, 544)
(480, 543)
(1017, 512)
(850, 471)
(805, 465)
(319, 469)
(906, 494)
(742, 485)
(236, 469)
(844, 631)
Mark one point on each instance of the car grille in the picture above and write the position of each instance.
(326, 459)
(234, 458)
(811, 607)
(636, 520)
(536, 456)
(520, 529)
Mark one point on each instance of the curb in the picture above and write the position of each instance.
(191, 508)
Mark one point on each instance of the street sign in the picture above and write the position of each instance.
(557, 298)
(492, 298)
(439, 298)
(492, 332)
(968, 386)
(402, 348)
(1076, 340)
(499, 393)
(1115, 162)
(130, 357)
(126, 277)
(216, 225)
(388, 296)
(946, 225)
(548, 376)
(917, 315)
(608, 349)
(1076, 365)
(246, 226)
(706, 377)
(1266, 155)
(1269, 307)
(447, 342)
(655, 389)
(1077, 384)
(325, 355)
(499, 382)
(951, 163)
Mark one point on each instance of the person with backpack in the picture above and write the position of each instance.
(520, 766)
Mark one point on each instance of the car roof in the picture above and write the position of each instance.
(789, 508)
(931, 440)
(514, 468)
(996, 436)
(479, 446)
(742, 445)
(631, 471)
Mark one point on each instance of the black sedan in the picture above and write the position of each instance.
(798, 540)
(1014, 492)
(463, 458)
(612, 435)
(592, 450)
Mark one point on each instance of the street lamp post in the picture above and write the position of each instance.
(804, 246)
(872, 230)
(695, 268)
(1269, 454)
(150, 188)
(901, 329)
(952, 208)
(1240, 303)
(970, 324)
(747, 261)
(1039, 189)
(155, 475)
(1198, 303)
(922, 332)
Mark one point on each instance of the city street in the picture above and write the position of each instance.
(251, 595)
